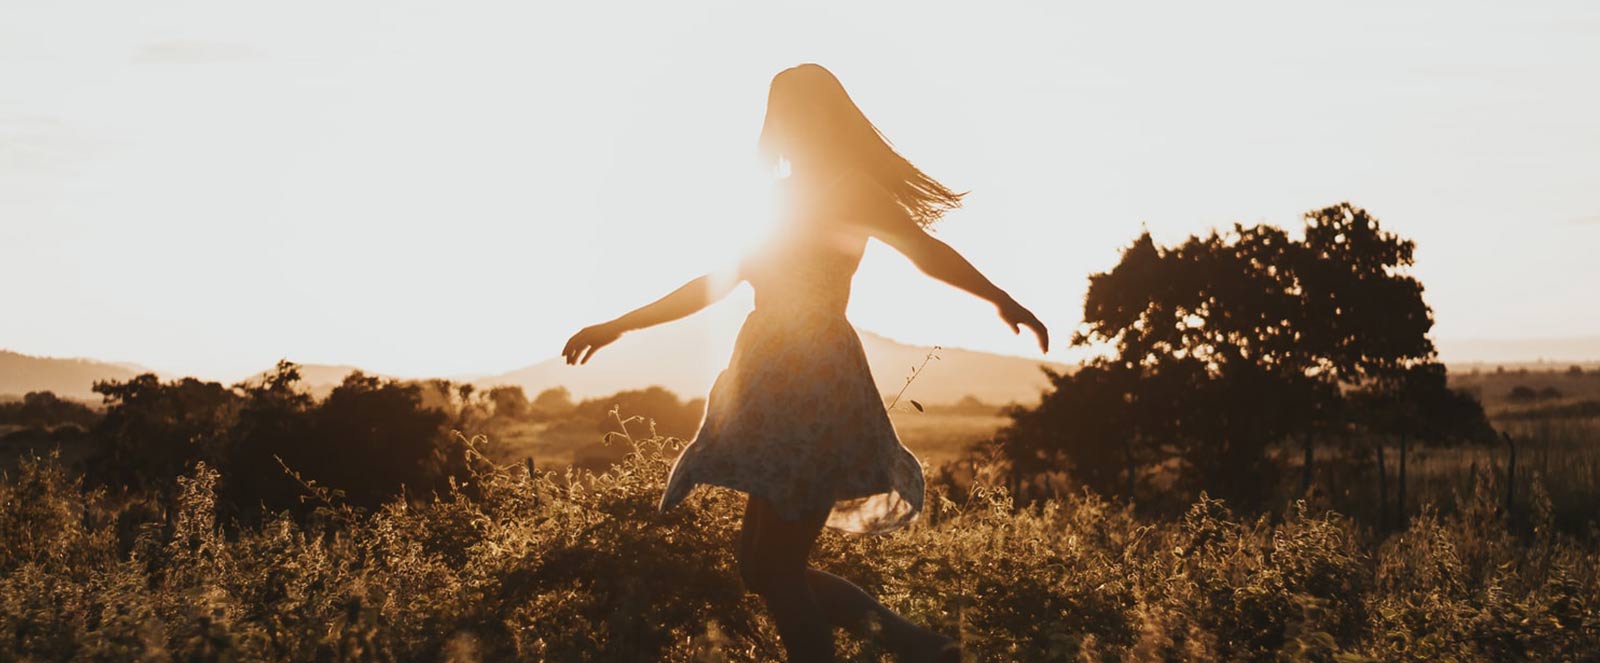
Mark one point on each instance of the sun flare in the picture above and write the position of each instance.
(743, 219)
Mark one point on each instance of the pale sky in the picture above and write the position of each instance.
(446, 188)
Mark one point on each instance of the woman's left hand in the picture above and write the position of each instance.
(1016, 316)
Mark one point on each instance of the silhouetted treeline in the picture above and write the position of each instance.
(1524, 393)
(1230, 346)
(39, 409)
(582, 431)
(1578, 409)
(660, 409)
(369, 438)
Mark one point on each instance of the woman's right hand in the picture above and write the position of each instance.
(583, 344)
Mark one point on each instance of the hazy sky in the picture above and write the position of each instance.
(445, 188)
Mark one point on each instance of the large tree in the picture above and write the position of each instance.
(1236, 340)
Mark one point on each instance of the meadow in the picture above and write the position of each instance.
(578, 566)
(577, 434)
(540, 541)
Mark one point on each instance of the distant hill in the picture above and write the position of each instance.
(68, 378)
(1569, 350)
(685, 357)
(74, 378)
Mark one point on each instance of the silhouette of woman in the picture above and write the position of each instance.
(796, 421)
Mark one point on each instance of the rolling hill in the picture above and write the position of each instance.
(68, 378)
(685, 357)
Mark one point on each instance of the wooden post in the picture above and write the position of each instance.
(1383, 488)
(1511, 477)
(1400, 491)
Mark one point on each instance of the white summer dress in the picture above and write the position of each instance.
(796, 417)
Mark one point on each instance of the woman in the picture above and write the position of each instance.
(796, 421)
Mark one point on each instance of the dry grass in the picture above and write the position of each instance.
(579, 567)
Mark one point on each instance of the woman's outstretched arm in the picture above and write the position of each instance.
(686, 300)
(888, 222)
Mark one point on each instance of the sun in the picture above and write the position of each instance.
(743, 217)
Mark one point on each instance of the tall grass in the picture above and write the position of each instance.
(514, 564)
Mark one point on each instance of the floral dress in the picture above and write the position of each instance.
(796, 417)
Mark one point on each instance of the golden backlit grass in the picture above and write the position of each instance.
(580, 567)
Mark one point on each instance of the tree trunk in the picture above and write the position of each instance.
(1383, 488)
(1400, 491)
(1310, 455)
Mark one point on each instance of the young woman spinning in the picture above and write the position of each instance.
(796, 421)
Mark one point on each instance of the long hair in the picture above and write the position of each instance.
(809, 111)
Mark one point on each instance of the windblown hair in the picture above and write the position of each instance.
(809, 111)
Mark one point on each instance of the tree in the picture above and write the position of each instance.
(552, 403)
(1239, 340)
(374, 436)
(152, 431)
(509, 402)
(41, 409)
(370, 437)
(659, 408)
(273, 423)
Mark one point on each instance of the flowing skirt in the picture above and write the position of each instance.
(797, 419)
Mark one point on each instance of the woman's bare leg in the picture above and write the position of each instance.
(807, 603)
(772, 561)
(854, 610)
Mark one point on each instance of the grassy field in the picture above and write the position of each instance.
(571, 562)
(1494, 387)
(1558, 459)
(935, 436)
(579, 567)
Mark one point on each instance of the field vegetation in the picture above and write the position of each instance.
(578, 566)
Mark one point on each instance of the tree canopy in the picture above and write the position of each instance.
(1226, 343)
